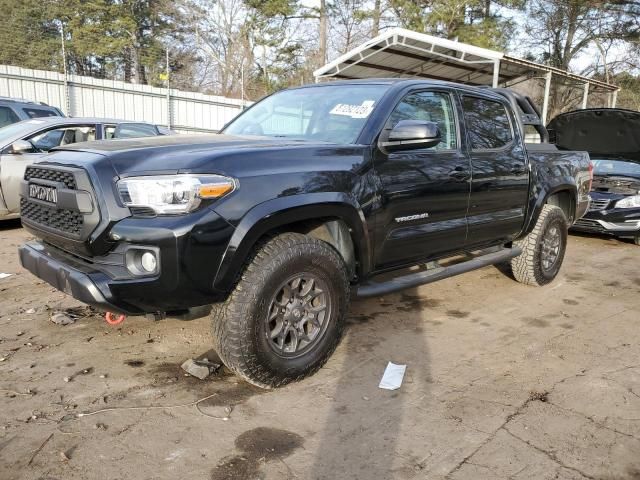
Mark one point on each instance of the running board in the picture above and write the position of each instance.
(374, 289)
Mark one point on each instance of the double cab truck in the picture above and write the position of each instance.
(303, 201)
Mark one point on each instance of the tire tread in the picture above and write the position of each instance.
(232, 319)
(525, 267)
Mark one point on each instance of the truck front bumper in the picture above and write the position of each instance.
(189, 251)
(70, 277)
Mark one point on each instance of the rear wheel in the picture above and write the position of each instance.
(543, 249)
(286, 315)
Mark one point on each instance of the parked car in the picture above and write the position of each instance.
(13, 110)
(304, 199)
(24, 142)
(612, 138)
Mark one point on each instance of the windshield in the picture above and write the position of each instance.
(613, 167)
(17, 130)
(333, 113)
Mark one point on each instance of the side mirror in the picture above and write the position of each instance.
(413, 134)
(21, 146)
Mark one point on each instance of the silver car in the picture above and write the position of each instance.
(23, 143)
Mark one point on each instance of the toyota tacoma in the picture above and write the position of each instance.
(301, 202)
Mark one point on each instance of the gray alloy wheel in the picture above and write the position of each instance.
(298, 315)
(550, 247)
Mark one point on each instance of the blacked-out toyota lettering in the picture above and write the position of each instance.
(301, 203)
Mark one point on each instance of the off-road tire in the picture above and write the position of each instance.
(238, 334)
(528, 267)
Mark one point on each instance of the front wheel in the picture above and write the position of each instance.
(286, 315)
(543, 249)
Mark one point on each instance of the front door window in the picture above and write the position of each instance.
(45, 141)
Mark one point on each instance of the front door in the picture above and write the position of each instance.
(13, 165)
(424, 193)
(500, 187)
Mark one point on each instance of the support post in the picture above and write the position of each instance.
(242, 82)
(168, 92)
(545, 102)
(585, 95)
(67, 100)
(614, 101)
(496, 73)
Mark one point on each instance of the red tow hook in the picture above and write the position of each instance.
(114, 318)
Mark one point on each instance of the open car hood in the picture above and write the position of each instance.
(603, 132)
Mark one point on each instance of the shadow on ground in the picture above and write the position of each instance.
(361, 431)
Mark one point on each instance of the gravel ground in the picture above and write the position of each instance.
(503, 381)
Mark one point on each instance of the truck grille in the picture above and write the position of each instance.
(63, 220)
(51, 175)
(597, 205)
(60, 218)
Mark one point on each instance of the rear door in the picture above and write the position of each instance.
(500, 184)
(424, 193)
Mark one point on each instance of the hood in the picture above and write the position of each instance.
(603, 132)
(178, 153)
(174, 142)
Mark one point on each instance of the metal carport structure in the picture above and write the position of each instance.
(404, 53)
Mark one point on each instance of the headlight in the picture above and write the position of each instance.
(173, 194)
(629, 202)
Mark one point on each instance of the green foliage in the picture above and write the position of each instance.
(28, 36)
(629, 96)
(472, 21)
(104, 38)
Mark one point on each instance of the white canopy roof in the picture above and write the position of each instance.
(403, 53)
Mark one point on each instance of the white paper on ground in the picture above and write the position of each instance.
(4, 275)
(392, 377)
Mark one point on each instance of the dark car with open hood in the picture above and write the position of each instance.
(612, 138)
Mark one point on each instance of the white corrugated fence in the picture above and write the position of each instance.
(186, 112)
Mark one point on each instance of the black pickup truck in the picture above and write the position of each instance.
(301, 202)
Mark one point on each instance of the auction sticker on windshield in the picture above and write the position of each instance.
(354, 111)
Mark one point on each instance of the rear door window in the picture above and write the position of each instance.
(39, 112)
(132, 130)
(7, 117)
(488, 123)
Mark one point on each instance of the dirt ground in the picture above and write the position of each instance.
(503, 381)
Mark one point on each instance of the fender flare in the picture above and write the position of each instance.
(286, 210)
(564, 185)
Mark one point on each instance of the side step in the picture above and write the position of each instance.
(374, 289)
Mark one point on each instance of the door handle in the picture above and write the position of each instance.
(460, 173)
